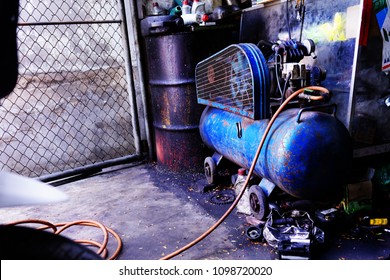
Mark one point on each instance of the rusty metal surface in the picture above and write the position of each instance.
(172, 59)
(175, 110)
(176, 118)
(309, 159)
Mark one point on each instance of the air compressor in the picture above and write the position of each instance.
(307, 152)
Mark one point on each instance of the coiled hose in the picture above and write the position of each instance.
(250, 172)
(60, 227)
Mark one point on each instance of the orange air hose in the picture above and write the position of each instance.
(60, 227)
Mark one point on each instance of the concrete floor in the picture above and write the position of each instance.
(156, 212)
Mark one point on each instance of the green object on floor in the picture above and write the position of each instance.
(382, 177)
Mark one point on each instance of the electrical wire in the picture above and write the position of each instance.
(302, 21)
(249, 175)
(60, 227)
(288, 20)
(277, 73)
(285, 86)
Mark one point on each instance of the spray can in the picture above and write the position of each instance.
(198, 7)
(243, 205)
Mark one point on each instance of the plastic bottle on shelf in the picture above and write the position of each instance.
(157, 10)
(198, 7)
(243, 205)
(194, 18)
(185, 8)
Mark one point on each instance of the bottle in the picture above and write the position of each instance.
(175, 11)
(198, 7)
(194, 18)
(243, 205)
(156, 10)
(185, 8)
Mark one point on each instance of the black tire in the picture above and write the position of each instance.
(258, 202)
(210, 170)
(23, 243)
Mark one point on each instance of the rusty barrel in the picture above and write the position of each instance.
(172, 58)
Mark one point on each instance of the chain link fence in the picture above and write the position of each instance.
(71, 106)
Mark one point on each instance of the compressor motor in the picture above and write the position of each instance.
(287, 73)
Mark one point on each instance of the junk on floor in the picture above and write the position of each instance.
(298, 234)
(293, 234)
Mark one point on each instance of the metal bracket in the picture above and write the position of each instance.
(239, 129)
(312, 108)
(217, 158)
(267, 186)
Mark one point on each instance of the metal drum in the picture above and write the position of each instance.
(172, 57)
(307, 153)
(176, 113)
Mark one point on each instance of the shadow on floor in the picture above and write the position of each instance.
(156, 212)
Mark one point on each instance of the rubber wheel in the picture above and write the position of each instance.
(24, 243)
(258, 202)
(209, 170)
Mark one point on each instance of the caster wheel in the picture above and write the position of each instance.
(209, 170)
(258, 202)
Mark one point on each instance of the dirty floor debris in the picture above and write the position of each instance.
(156, 212)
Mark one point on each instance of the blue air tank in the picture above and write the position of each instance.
(307, 154)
